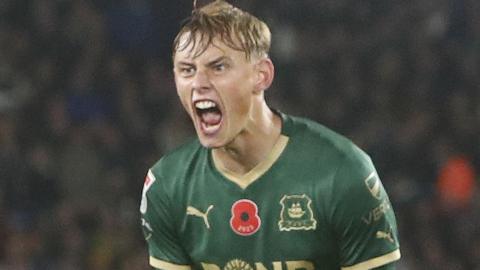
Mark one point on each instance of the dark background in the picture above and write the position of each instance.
(87, 104)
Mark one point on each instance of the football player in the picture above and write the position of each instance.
(258, 188)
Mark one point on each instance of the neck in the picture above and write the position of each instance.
(252, 145)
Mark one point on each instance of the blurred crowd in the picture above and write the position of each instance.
(87, 104)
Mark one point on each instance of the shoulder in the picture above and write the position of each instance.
(176, 159)
(344, 167)
(321, 140)
(174, 165)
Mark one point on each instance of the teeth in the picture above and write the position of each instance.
(205, 104)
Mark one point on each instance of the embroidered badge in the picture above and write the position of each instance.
(245, 220)
(296, 213)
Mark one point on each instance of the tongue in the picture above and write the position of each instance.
(211, 118)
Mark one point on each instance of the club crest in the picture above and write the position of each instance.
(296, 213)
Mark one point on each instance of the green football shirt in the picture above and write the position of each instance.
(315, 203)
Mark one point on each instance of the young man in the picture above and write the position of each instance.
(258, 189)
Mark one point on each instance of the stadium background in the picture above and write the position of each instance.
(87, 103)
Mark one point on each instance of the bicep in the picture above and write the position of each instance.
(157, 218)
(363, 217)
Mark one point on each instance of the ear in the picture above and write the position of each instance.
(265, 74)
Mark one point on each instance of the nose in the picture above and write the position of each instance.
(201, 81)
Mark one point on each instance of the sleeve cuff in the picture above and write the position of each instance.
(159, 264)
(375, 262)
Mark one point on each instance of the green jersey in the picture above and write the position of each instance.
(315, 203)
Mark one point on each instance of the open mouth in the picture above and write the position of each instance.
(209, 114)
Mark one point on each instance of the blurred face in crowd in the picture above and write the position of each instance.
(218, 89)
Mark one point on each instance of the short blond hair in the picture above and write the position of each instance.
(234, 27)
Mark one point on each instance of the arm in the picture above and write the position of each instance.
(159, 231)
(362, 216)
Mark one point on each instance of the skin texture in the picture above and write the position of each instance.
(248, 128)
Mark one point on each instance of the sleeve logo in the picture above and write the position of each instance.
(296, 213)
(374, 185)
(149, 179)
(385, 235)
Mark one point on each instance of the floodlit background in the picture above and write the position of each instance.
(87, 104)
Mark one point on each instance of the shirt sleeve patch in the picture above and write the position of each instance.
(149, 179)
(374, 185)
(375, 262)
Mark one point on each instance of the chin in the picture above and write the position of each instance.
(210, 142)
(210, 145)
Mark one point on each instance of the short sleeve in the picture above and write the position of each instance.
(158, 227)
(362, 215)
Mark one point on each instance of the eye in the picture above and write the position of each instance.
(186, 71)
(219, 67)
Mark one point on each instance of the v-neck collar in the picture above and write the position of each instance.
(245, 180)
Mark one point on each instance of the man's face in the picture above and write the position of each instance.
(217, 89)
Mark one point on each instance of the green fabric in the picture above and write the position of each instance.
(315, 208)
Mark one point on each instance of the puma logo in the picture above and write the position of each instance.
(195, 212)
(386, 236)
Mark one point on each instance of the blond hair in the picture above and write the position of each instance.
(234, 27)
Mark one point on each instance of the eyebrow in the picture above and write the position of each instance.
(209, 64)
(183, 63)
(217, 60)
